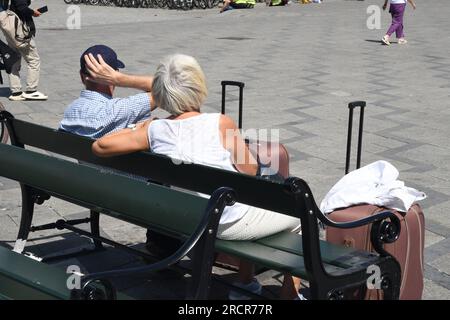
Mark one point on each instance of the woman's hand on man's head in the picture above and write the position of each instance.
(100, 71)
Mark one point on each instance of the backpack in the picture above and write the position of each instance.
(8, 57)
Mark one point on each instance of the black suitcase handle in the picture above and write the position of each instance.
(351, 107)
(241, 86)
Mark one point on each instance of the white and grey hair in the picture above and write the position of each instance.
(179, 84)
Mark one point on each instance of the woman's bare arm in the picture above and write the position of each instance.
(123, 142)
(235, 144)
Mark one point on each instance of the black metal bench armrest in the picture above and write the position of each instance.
(356, 223)
(382, 231)
(220, 198)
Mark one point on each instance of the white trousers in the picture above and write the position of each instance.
(257, 223)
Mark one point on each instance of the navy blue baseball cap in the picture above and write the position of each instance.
(108, 55)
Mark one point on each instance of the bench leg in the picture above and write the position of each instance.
(25, 219)
(203, 261)
(354, 285)
(204, 254)
(95, 228)
(391, 280)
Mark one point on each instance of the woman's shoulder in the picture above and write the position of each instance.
(226, 122)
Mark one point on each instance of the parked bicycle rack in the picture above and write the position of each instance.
(162, 4)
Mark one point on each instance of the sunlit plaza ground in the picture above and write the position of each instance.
(302, 65)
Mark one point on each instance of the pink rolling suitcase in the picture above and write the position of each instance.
(409, 247)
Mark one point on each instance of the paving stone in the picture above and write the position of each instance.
(433, 291)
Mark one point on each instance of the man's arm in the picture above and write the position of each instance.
(100, 71)
(385, 4)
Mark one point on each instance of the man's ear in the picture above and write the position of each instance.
(83, 77)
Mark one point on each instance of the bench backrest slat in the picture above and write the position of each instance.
(135, 201)
(250, 190)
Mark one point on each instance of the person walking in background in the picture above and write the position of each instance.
(397, 10)
(16, 22)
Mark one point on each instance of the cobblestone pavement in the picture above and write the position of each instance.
(301, 65)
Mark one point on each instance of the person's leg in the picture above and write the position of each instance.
(246, 272)
(401, 13)
(14, 79)
(396, 19)
(8, 28)
(226, 5)
(290, 288)
(259, 223)
(31, 57)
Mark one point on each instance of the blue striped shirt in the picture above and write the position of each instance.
(96, 114)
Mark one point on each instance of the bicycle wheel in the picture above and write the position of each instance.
(76, 1)
(162, 3)
(94, 2)
(200, 4)
(68, 1)
(187, 4)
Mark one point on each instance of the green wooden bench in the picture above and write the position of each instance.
(332, 271)
(146, 205)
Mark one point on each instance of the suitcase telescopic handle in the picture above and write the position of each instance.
(351, 107)
(241, 86)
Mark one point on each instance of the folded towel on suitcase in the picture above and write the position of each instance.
(375, 184)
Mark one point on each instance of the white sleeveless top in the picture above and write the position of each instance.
(195, 140)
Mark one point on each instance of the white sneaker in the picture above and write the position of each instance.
(34, 96)
(17, 97)
(402, 41)
(385, 40)
(253, 287)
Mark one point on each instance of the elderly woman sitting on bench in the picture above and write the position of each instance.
(211, 139)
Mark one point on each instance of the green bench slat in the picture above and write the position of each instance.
(268, 257)
(127, 199)
(22, 278)
(332, 254)
(25, 278)
(2, 297)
